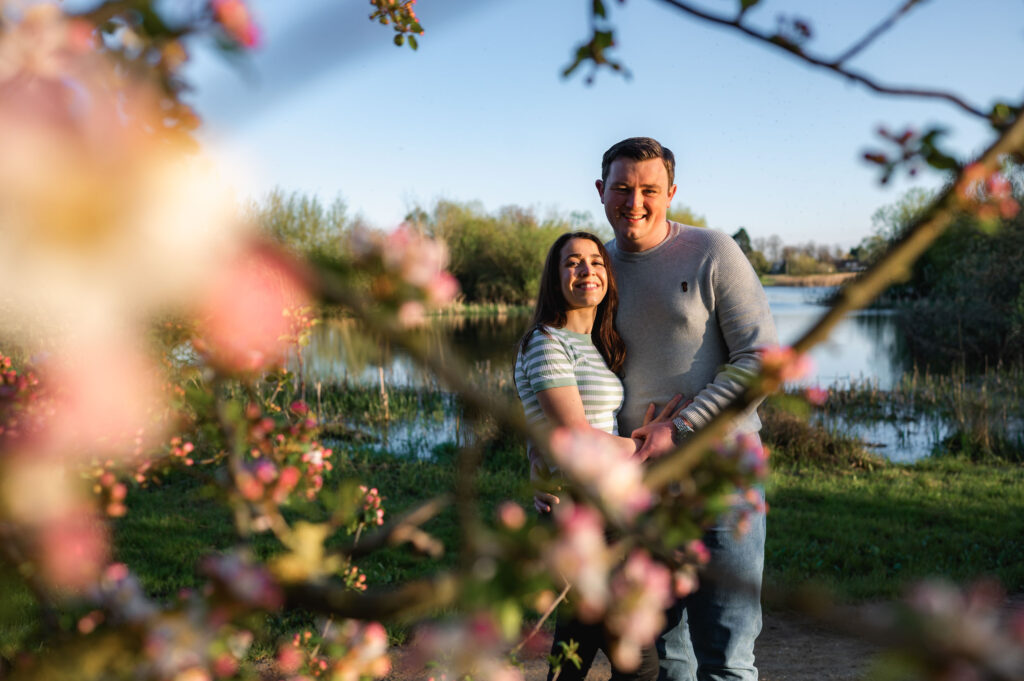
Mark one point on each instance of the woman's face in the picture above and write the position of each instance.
(582, 273)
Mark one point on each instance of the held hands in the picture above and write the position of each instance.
(655, 435)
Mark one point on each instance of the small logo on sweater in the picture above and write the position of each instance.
(685, 287)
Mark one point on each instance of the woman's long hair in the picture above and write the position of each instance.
(551, 304)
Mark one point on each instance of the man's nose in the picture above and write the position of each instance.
(634, 199)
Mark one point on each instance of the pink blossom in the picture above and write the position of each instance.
(640, 593)
(783, 365)
(581, 557)
(412, 314)
(816, 396)
(242, 325)
(511, 515)
(611, 475)
(237, 21)
(73, 550)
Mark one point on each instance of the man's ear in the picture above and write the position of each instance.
(600, 188)
(671, 192)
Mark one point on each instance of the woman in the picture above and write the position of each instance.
(567, 374)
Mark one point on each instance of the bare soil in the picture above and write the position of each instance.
(790, 648)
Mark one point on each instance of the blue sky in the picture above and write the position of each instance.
(329, 106)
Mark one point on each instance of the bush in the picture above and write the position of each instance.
(495, 258)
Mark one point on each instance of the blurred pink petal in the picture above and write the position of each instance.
(242, 323)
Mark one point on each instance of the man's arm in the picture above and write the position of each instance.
(746, 325)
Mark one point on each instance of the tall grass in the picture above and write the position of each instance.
(985, 410)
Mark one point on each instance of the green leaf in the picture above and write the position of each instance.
(399, 39)
(747, 4)
(598, 9)
(412, 42)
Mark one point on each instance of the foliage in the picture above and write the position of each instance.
(495, 258)
(961, 301)
(685, 215)
(302, 224)
(117, 226)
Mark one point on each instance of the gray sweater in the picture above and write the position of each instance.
(691, 311)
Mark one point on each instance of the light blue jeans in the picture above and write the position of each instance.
(710, 634)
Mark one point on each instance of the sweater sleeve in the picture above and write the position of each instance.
(746, 326)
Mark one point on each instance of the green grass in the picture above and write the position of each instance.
(862, 532)
(865, 534)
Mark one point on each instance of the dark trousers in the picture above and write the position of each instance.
(592, 637)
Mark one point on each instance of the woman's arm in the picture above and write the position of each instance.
(563, 406)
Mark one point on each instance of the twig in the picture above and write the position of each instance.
(397, 531)
(873, 34)
(413, 598)
(831, 65)
(542, 620)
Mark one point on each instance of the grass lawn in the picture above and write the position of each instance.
(865, 534)
(862, 533)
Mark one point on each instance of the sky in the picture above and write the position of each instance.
(328, 106)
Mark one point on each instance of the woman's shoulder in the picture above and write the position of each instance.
(548, 338)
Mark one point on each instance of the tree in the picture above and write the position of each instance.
(683, 214)
(743, 240)
(69, 443)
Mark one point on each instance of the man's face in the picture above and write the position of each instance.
(636, 197)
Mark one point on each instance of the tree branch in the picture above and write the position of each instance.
(873, 34)
(855, 295)
(831, 65)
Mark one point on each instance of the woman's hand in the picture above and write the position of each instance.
(540, 478)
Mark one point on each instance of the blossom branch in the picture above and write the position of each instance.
(413, 598)
(855, 295)
(400, 530)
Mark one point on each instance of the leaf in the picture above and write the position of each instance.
(747, 4)
(598, 9)
(399, 39)
(412, 42)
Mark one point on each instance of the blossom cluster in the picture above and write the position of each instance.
(472, 647)
(987, 193)
(345, 651)
(591, 460)
(641, 591)
(411, 274)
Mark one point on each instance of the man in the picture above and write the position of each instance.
(690, 306)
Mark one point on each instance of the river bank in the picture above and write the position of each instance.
(806, 280)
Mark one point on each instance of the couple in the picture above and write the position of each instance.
(681, 308)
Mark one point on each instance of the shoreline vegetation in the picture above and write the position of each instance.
(807, 280)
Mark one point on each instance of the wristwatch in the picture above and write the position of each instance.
(683, 430)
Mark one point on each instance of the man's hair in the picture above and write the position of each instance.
(551, 304)
(639, 149)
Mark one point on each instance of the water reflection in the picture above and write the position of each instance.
(864, 347)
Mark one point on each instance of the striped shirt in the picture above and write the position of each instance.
(560, 358)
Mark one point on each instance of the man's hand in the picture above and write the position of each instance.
(656, 438)
(543, 500)
(667, 414)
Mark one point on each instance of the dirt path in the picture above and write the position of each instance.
(790, 648)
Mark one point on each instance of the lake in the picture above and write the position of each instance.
(865, 347)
